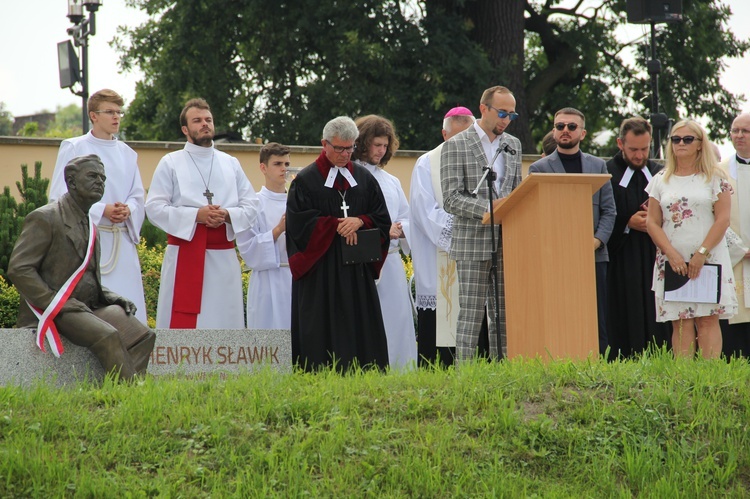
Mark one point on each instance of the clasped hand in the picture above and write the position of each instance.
(396, 230)
(116, 213)
(347, 229)
(691, 269)
(212, 215)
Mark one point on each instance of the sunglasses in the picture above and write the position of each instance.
(502, 114)
(687, 139)
(561, 126)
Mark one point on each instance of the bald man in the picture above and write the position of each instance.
(736, 331)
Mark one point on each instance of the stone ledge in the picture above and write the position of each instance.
(188, 352)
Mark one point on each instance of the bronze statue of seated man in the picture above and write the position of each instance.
(55, 268)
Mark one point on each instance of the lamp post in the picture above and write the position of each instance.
(67, 59)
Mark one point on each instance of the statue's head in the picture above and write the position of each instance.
(84, 176)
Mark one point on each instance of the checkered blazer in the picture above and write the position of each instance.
(462, 161)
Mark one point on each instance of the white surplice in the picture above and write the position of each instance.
(269, 292)
(430, 231)
(174, 197)
(393, 289)
(119, 264)
(432, 227)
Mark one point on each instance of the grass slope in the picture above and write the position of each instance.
(656, 427)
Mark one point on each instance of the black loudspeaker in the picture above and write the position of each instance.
(656, 11)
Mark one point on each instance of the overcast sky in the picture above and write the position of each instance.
(31, 29)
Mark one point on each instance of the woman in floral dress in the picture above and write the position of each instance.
(688, 214)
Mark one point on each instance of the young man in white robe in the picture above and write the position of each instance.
(201, 198)
(120, 213)
(269, 292)
(430, 243)
(375, 146)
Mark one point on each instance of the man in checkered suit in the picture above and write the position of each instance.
(462, 160)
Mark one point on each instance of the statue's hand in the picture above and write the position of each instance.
(127, 305)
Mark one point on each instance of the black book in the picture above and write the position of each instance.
(367, 249)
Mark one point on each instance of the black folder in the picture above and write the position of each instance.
(367, 249)
(673, 281)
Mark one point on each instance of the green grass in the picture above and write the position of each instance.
(656, 427)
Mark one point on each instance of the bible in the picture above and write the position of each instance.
(367, 249)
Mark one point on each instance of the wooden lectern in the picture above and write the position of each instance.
(548, 254)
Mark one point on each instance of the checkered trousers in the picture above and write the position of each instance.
(475, 291)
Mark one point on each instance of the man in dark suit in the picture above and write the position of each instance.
(569, 130)
(462, 161)
(631, 312)
(55, 242)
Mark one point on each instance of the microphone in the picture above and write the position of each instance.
(507, 148)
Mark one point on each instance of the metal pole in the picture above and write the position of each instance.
(654, 69)
(84, 82)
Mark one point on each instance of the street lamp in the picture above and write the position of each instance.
(66, 56)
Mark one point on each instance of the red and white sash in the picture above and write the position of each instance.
(46, 318)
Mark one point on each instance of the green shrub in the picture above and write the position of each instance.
(151, 259)
(153, 235)
(9, 300)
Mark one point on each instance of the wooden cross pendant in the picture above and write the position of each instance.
(209, 195)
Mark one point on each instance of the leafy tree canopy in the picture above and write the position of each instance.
(279, 70)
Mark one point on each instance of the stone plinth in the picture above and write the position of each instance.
(189, 352)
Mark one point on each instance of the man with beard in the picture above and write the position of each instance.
(569, 130)
(631, 311)
(462, 161)
(736, 331)
(201, 198)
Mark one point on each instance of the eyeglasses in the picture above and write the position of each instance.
(340, 149)
(111, 112)
(739, 131)
(561, 126)
(687, 139)
(504, 114)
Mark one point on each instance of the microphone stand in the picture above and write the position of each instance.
(490, 176)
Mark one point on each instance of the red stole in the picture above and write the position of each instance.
(188, 280)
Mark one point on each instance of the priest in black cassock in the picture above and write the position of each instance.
(336, 314)
(631, 314)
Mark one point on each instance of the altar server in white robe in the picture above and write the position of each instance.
(120, 213)
(375, 146)
(269, 292)
(201, 198)
(430, 241)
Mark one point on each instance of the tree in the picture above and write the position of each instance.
(280, 70)
(6, 120)
(67, 122)
(33, 191)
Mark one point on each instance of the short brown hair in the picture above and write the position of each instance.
(549, 144)
(636, 124)
(488, 94)
(197, 102)
(574, 112)
(104, 95)
(372, 126)
(272, 149)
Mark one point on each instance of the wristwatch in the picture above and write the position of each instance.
(704, 251)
